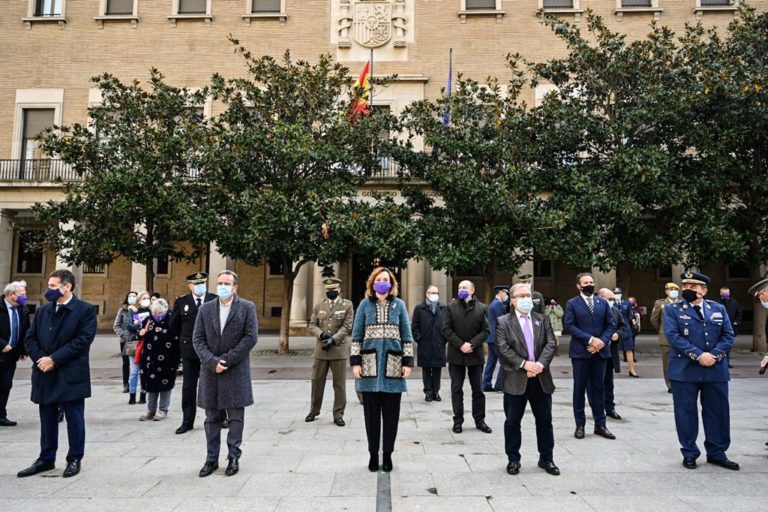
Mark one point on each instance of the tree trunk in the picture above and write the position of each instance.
(285, 318)
(149, 274)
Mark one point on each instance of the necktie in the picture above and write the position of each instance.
(199, 302)
(590, 305)
(528, 334)
(697, 308)
(14, 327)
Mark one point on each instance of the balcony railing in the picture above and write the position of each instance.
(36, 170)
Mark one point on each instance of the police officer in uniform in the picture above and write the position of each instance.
(672, 292)
(331, 323)
(700, 334)
(182, 324)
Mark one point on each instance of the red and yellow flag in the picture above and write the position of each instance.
(361, 102)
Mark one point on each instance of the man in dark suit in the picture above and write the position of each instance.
(183, 324)
(225, 332)
(497, 308)
(589, 321)
(14, 322)
(527, 346)
(700, 334)
(58, 342)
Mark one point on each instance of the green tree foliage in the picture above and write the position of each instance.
(136, 193)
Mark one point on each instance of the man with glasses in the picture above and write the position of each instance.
(13, 327)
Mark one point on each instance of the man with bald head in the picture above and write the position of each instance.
(465, 328)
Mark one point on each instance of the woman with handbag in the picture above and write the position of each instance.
(124, 335)
(133, 321)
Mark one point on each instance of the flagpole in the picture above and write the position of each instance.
(370, 85)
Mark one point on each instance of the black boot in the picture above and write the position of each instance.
(132, 399)
(386, 463)
(143, 398)
(125, 388)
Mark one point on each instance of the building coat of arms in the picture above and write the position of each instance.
(372, 25)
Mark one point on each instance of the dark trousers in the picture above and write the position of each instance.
(338, 369)
(378, 409)
(610, 400)
(191, 369)
(494, 357)
(431, 379)
(213, 419)
(590, 371)
(541, 406)
(665, 364)
(126, 369)
(475, 373)
(7, 369)
(715, 415)
(74, 412)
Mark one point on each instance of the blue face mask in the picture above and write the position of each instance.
(764, 304)
(524, 304)
(673, 294)
(159, 318)
(131, 300)
(52, 295)
(200, 289)
(224, 291)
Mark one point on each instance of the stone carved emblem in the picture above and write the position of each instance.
(372, 26)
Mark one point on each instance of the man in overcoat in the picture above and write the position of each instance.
(225, 332)
(58, 342)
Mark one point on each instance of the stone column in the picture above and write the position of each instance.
(6, 245)
(413, 286)
(138, 277)
(525, 268)
(604, 279)
(443, 282)
(216, 263)
(301, 290)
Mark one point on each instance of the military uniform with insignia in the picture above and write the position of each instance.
(331, 323)
(657, 320)
(182, 324)
(700, 335)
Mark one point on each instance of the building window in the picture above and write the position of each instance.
(738, 270)
(193, 7)
(49, 8)
(35, 121)
(162, 266)
(480, 8)
(276, 311)
(716, 3)
(119, 8)
(638, 6)
(542, 269)
(264, 9)
(29, 255)
(715, 6)
(94, 269)
(557, 4)
(266, 6)
(275, 267)
(636, 3)
(664, 273)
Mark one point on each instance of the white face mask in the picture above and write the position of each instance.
(764, 304)
(673, 294)
(144, 303)
(433, 297)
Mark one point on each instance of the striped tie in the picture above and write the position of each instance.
(590, 305)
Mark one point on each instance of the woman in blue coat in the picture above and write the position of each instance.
(427, 326)
(381, 360)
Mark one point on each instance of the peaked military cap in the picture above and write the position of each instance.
(758, 287)
(617, 290)
(525, 278)
(671, 286)
(501, 288)
(331, 283)
(689, 277)
(197, 277)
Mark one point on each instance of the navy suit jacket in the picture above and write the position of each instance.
(495, 310)
(5, 333)
(66, 336)
(583, 325)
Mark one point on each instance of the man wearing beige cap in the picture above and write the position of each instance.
(331, 323)
(760, 292)
(672, 290)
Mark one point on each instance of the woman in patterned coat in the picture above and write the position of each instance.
(381, 359)
(159, 359)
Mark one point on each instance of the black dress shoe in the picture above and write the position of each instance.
(233, 466)
(183, 429)
(373, 462)
(579, 433)
(436, 397)
(225, 423)
(310, 417)
(457, 428)
(339, 421)
(37, 467)
(386, 462)
(613, 414)
(482, 427)
(689, 463)
(513, 467)
(669, 390)
(549, 467)
(73, 468)
(428, 397)
(208, 468)
(724, 463)
(5, 422)
(487, 390)
(604, 432)
(635, 375)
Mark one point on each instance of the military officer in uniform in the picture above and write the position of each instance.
(538, 298)
(182, 324)
(760, 291)
(331, 323)
(700, 334)
(672, 292)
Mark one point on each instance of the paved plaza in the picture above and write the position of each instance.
(290, 465)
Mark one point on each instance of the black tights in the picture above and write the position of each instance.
(378, 406)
